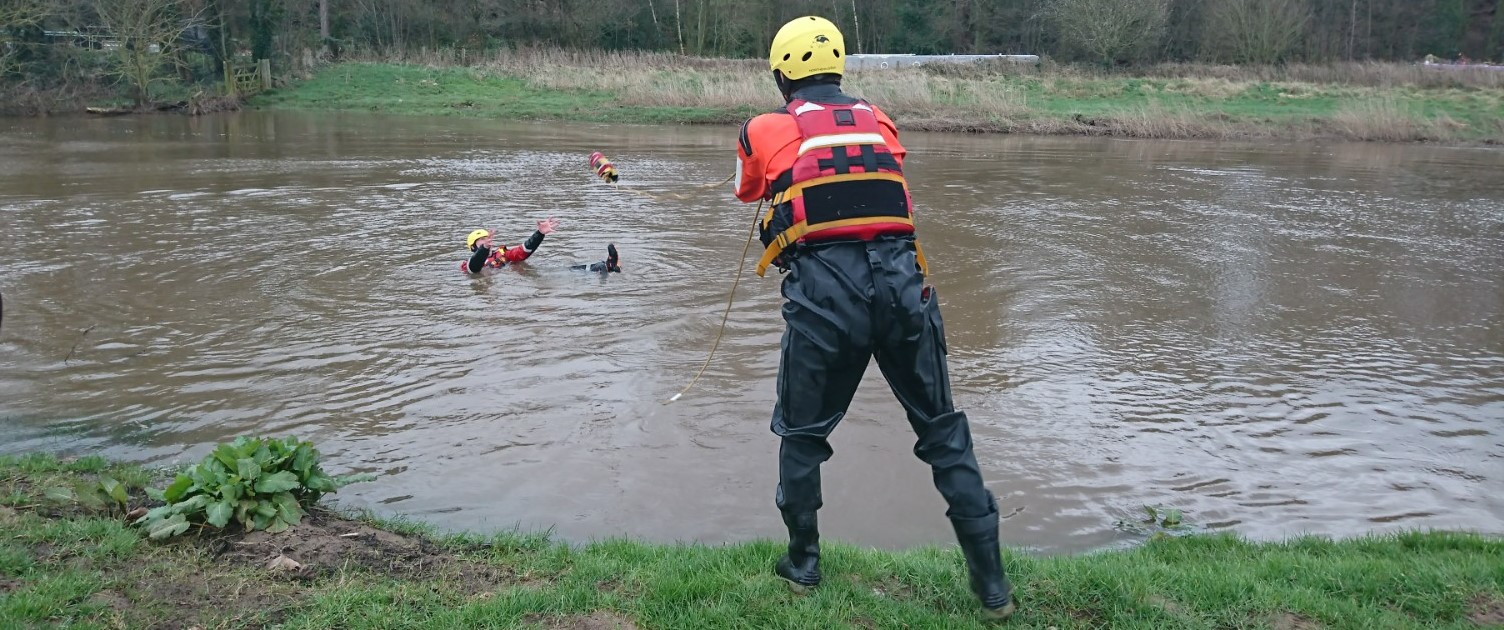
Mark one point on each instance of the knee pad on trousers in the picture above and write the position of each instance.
(981, 522)
(801, 504)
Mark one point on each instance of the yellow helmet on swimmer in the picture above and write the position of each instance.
(808, 46)
(475, 236)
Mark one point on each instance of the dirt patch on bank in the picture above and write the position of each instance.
(159, 596)
(1292, 621)
(1166, 604)
(325, 544)
(892, 588)
(113, 576)
(1486, 611)
(111, 599)
(270, 575)
(228, 579)
(598, 620)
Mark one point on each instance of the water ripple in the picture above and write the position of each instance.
(1274, 339)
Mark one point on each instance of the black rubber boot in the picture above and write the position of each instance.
(978, 538)
(801, 565)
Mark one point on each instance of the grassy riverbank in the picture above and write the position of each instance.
(66, 564)
(1385, 102)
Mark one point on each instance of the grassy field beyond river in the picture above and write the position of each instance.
(63, 564)
(1383, 102)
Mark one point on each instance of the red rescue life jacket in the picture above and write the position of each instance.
(845, 183)
(496, 260)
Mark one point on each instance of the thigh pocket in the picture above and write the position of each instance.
(931, 302)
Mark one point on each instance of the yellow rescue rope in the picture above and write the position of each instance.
(606, 171)
(741, 264)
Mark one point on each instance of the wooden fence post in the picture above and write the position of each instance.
(266, 74)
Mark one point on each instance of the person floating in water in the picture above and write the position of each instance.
(485, 253)
(612, 263)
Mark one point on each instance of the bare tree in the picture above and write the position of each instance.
(15, 16)
(1093, 30)
(148, 31)
(1256, 31)
(857, 22)
(1110, 30)
(679, 24)
(1352, 30)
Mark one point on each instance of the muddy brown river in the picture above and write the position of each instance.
(1275, 338)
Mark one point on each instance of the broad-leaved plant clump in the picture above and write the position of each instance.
(260, 483)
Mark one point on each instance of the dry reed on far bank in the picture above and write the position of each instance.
(1359, 101)
(541, 59)
(1160, 121)
(1364, 74)
(1386, 120)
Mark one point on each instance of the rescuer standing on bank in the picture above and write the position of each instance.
(841, 226)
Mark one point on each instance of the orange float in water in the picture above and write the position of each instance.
(603, 168)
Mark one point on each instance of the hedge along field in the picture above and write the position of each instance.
(71, 557)
(1372, 101)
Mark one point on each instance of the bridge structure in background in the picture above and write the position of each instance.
(891, 62)
(95, 37)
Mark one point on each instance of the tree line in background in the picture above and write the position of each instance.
(1112, 31)
(196, 37)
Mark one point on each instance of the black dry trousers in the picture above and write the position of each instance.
(846, 303)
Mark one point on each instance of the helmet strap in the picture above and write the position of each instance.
(785, 86)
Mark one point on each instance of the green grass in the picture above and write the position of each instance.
(1396, 103)
(1288, 104)
(406, 89)
(64, 568)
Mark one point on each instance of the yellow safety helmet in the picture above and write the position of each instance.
(475, 236)
(808, 46)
